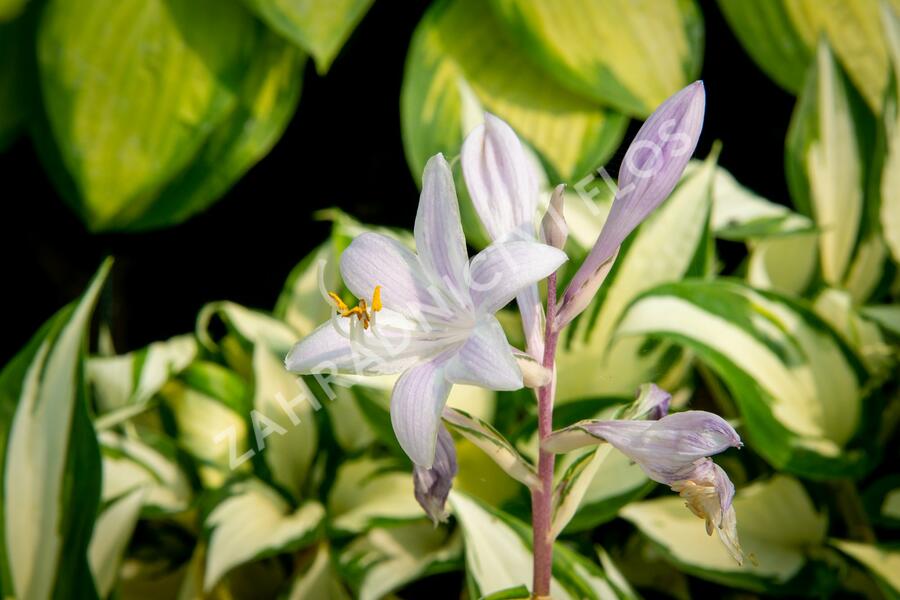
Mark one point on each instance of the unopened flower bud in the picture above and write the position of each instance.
(554, 229)
(432, 486)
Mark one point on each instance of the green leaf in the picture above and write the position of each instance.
(888, 316)
(836, 308)
(254, 522)
(50, 460)
(266, 100)
(890, 174)
(786, 264)
(777, 523)
(319, 26)
(300, 304)
(319, 581)
(384, 560)
(756, 24)
(284, 421)
(781, 36)
(624, 54)
(492, 443)
(10, 9)
(594, 486)
(16, 70)
(740, 214)
(827, 152)
(672, 242)
(461, 63)
(248, 325)
(112, 533)
(133, 379)
(133, 89)
(130, 464)
(498, 557)
(799, 389)
(883, 563)
(513, 593)
(891, 506)
(369, 492)
(209, 407)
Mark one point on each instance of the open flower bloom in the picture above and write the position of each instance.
(431, 315)
(651, 168)
(504, 190)
(673, 450)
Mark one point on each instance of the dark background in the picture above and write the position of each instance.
(343, 148)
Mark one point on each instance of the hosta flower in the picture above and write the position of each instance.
(431, 314)
(673, 450)
(652, 166)
(708, 492)
(432, 485)
(503, 186)
(652, 403)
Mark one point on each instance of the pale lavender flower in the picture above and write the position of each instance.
(708, 493)
(432, 486)
(431, 315)
(673, 450)
(652, 403)
(652, 166)
(503, 186)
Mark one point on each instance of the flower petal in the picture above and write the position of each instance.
(532, 312)
(672, 444)
(326, 350)
(416, 405)
(708, 493)
(652, 403)
(439, 236)
(652, 166)
(373, 259)
(504, 269)
(432, 486)
(501, 180)
(486, 359)
(666, 449)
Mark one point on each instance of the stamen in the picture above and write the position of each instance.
(338, 303)
(363, 313)
(376, 299)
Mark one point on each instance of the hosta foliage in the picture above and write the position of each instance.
(781, 36)
(145, 113)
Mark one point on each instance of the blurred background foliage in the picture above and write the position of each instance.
(186, 466)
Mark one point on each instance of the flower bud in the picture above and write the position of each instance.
(554, 229)
(432, 486)
(652, 166)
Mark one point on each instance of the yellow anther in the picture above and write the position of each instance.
(362, 311)
(342, 308)
(376, 299)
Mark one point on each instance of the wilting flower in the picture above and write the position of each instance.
(432, 486)
(432, 313)
(503, 186)
(673, 450)
(652, 166)
(708, 493)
